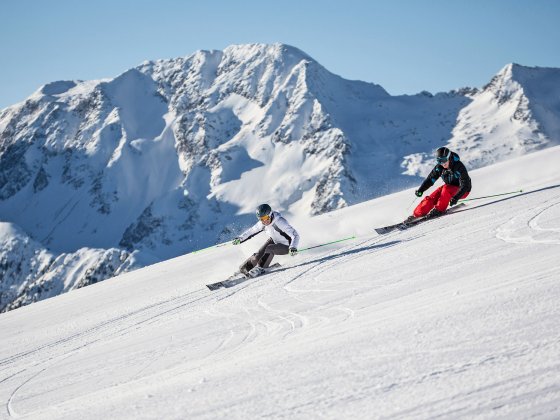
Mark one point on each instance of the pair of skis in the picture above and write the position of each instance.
(238, 277)
(409, 223)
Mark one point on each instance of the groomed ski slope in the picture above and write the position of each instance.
(454, 318)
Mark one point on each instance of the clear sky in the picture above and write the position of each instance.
(406, 46)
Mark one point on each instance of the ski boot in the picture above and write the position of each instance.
(434, 213)
(408, 220)
(255, 271)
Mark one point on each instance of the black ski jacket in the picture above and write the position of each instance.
(456, 175)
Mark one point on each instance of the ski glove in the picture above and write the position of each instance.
(453, 201)
(293, 251)
(418, 193)
(236, 241)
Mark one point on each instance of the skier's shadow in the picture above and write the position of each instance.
(344, 254)
(235, 282)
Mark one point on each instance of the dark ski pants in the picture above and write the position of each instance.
(263, 257)
(439, 199)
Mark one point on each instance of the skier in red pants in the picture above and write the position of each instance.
(457, 185)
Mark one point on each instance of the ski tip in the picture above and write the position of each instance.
(382, 231)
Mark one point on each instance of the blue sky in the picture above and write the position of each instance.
(405, 46)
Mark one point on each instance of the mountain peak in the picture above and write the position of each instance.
(525, 74)
(277, 51)
(57, 88)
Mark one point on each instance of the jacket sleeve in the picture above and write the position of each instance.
(289, 230)
(464, 181)
(252, 231)
(431, 178)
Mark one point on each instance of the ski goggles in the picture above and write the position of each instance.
(443, 159)
(265, 218)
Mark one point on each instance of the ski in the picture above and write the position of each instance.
(237, 278)
(405, 225)
(386, 229)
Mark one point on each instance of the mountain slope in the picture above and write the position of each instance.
(174, 155)
(456, 317)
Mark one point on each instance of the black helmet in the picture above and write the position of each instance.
(263, 211)
(443, 154)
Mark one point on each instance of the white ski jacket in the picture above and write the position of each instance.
(279, 230)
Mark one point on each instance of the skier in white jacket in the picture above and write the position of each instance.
(283, 239)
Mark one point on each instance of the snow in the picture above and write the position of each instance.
(142, 111)
(454, 318)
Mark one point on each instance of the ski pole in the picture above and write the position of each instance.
(328, 243)
(488, 196)
(210, 247)
(410, 205)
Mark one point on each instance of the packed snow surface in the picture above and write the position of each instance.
(456, 318)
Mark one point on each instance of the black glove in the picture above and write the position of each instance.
(453, 201)
(293, 251)
(418, 193)
(236, 241)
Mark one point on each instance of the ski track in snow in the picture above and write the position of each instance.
(526, 228)
(278, 322)
(315, 311)
(310, 299)
(111, 329)
(108, 325)
(317, 276)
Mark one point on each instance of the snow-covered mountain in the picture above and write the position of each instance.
(30, 272)
(456, 318)
(518, 112)
(110, 175)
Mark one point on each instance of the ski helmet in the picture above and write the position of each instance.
(443, 154)
(263, 211)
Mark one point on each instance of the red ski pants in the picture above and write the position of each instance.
(439, 199)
